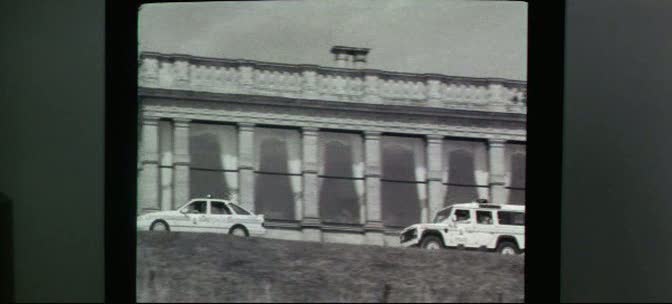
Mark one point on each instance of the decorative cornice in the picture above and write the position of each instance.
(181, 122)
(245, 126)
(496, 142)
(309, 131)
(335, 119)
(372, 135)
(150, 120)
(434, 138)
(279, 101)
(201, 74)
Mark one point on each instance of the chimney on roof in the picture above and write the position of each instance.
(350, 57)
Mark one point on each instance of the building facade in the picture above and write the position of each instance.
(334, 154)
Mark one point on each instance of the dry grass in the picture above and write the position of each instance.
(200, 267)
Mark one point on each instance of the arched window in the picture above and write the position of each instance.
(341, 189)
(277, 173)
(403, 184)
(214, 168)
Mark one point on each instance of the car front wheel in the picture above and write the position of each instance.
(159, 226)
(431, 243)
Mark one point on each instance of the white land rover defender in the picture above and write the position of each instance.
(476, 225)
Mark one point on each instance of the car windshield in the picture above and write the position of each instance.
(442, 215)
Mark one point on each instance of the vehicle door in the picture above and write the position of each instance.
(220, 217)
(483, 233)
(512, 223)
(460, 225)
(193, 216)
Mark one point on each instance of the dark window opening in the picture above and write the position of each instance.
(219, 208)
(274, 197)
(339, 200)
(511, 218)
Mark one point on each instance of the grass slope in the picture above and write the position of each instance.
(201, 267)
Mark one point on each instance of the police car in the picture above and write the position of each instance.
(475, 225)
(205, 215)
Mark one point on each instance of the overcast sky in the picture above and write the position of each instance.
(461, 38)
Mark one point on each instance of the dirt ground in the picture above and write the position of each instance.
(202, 267)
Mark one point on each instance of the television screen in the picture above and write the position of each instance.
(331, 151)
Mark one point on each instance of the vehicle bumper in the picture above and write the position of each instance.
(257, 231)
(411, 243)
(143, 225)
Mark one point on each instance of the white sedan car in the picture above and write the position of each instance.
(205, 215)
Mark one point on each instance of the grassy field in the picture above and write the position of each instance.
(200, 267)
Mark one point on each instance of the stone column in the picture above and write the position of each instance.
(148, 179)
(311, 221)
(497, 175)
(434, 174)
(374, 221)
(246, 165)
(181, 161)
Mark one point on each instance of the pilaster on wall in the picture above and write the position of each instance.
(372, 158)
(148, 179)
(310, 219)
(434, 174)
(181, 161)
(497, 175)
(246, 165)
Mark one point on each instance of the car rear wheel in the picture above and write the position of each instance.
(431, 242)
(507, 248)
(239, 231)
(159, 226)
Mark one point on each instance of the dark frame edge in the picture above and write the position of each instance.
(120, 149)
(546, 37)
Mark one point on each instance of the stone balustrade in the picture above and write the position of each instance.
(184, 72)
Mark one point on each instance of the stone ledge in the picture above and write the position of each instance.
(330, 227)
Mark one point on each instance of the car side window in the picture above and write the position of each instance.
(219, 208)
(239, 210)
(484, 217)
(511, 218)
(462, 215)
(198, 207)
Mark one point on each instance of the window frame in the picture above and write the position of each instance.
(186, 206)
(492, 218)
(514, 213)
(219, 202)
(462, 209)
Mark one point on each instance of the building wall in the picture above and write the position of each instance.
(321, 184)
(346, 154)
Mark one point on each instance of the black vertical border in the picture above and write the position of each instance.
(121, 112)
(546, 34)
